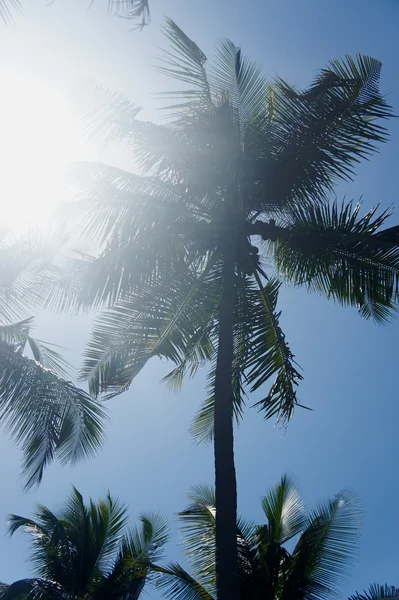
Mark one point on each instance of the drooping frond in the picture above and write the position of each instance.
(47, 416)
(349, 258)
(17, 336)
(270, 355)
(260, 352)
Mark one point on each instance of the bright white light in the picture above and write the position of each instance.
(38, 139)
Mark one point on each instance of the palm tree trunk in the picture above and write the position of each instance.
(225, 475)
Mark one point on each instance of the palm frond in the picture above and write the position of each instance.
(185, 62)
(51, 552)
(316, 136)
(198, 536)
(377, 592)
(176, 583)
(241, 81)
(108, 519)
(269, 354)
(105, 115)
(134, 562)
(198, 530)
(284, 511)
(324, 552)
(160, 320)
(202, 426)
(17, 336)
(145, 542)
(349, 258)
(131, 9)
(47, 416)
(7, 8)
(31, 589)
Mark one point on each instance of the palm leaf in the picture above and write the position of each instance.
(17, 336)
(198, 535)
(133, 564)
(316, 136)
(7, 8)
(47, 416)
(377, 592)
(176, 583)
(108, 519)
(323, 554)
(31, 589)
(131, 9)
(185, 62)
(160, 320)
(239, 80)
(269, 354)
(332, 250)
(284, 511)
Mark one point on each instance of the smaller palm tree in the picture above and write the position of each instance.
(86, 552)
(294, 555)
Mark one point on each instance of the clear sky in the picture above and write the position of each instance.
(350, 366)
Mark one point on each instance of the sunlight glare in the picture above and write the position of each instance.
(38, 139)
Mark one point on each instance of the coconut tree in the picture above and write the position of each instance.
(233, 198)
(294, 554)
(85, 551)
(44, 413)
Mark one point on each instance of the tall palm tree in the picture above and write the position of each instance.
(86, 552)
(45, 414)
(233, 199)
(293, 555)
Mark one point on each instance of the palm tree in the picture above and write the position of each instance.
(377, 592)
(47, 415)
(233, 199)
(294, 555)
(86, 552)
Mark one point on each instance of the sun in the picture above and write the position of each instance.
(38, 139)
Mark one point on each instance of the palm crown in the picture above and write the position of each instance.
(86, 551)
(248, 166)
(321, 547)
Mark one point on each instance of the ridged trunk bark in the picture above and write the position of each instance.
(225, 475)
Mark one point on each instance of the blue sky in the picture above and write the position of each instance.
(350, 366)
